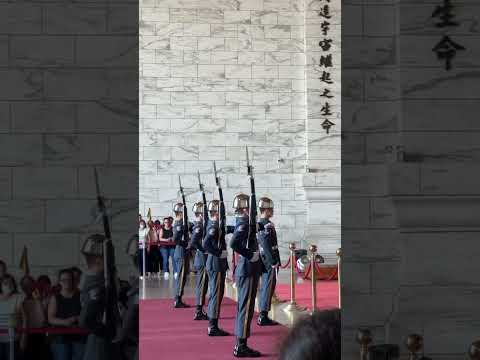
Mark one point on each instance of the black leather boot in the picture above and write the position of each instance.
(242, 350)
(199, 314)
(179, 304)
(264, 320)
(214, 330)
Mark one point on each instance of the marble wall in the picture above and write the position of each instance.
(408, 216)
(219, 75)
(64, 108)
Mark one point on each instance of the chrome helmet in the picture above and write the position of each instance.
(241, 201)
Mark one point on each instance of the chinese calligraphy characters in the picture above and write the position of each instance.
(325, 63)
(446, 49)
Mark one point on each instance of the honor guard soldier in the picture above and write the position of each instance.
(180, 256)
(247, 275)
(129, 333)
(93, 297)
(267, 238)
(201, 284)
(217, 269)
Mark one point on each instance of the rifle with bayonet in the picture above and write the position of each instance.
(222, 212)
(186, 224)
(112, 313)
(205, 206)
(252, 219)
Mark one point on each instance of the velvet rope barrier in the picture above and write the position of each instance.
(327, 278)
(49, 331)
(288, 263)
(307, 271)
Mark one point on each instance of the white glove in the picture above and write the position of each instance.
(224, 254)
(255, 257)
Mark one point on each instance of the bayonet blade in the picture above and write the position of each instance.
(199, 181)
(249, 167)
(97, 185)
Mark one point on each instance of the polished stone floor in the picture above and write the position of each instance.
(159, 288)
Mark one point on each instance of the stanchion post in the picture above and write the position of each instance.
(144, 260)
(364, 338)
(292, 306)
(313, 267)
(11, 336)
(414, 344)
(474, 350)
(339, 273)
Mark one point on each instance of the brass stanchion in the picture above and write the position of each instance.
(292, 307)
(339, 266)
(313, 267)
(12, 324)
(474, 350)
(364, 338)
(414, 344)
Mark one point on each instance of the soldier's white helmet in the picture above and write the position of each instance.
(265, 203)
(197, 207)
(241, 201)
(93, 245)
(178, 207)
(214, 206)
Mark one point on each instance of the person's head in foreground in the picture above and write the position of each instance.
(314, 337)
(92, 251)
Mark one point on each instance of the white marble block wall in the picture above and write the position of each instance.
(216, 76)
(62, 112)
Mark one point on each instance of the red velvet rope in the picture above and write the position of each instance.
(49, 331)
(331, 277)
(334, 275)
(288, 263)
(307, 271)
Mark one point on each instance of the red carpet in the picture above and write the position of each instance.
(327, 294)
(167, 333)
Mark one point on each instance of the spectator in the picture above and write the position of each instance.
(3, 271)
(142, 240)
(77, 278)
(44, 285)
(158, 232)
(64, 311)
(314, 337)
(11, 309)
(167, 246)
(153, 250)
(35, 311)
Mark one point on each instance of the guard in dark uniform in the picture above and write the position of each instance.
(201, 284)
(267, 239)
(129, 333)
(247, 275)
(217, 269)
(93, 297)
(180, 256)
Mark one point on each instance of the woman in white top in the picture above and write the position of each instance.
(11, 310)
(36, 314)
(142, 243)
